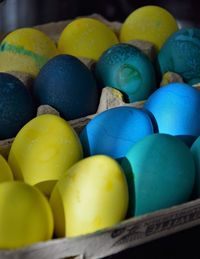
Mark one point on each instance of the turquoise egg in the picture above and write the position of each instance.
(66, 84)
(175, 108)
(195, 149)
(127, 69)
(181, 54)
(114, 131)
(16, 106)
(160, 173)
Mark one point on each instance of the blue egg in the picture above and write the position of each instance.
(114, 131)
(175, 108)
(66, 84)
(127, 69)
(16, 106)
(160, 173)
(181, 54)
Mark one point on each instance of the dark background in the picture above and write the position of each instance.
(20, 13)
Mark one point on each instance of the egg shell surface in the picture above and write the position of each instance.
(91, 196)
(175, 108)
(181, 54)
(42, 151)
(114, 131)
(160, 173)
(127, 69)
(26, 50)
(16, 106)
(66, 84)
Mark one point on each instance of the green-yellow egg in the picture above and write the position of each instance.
(25, 215)
(5, 171)
(91, 196)
(149, 23)
(26, 50)
(87, 38)
(43, 150)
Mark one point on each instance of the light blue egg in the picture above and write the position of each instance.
(160, 173)
(114, 131)
(175, 108)
(181, 54)
(127, 69)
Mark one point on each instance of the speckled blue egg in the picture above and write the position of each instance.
(66, 84)
(175, 108)
(114, 131)
(16, 106)
(160, 173)
(127, 69)
(181, 54)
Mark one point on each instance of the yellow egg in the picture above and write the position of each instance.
(149, 23)
(87, 38)
(43, 150)
(91, 196)
(26, 50)
(25, 215)
(5, 171)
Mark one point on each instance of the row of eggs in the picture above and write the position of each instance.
(88, 194)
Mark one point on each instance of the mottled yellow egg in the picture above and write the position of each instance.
(26, 50)
(5, 171)
(43, 150)
(149, 23)
(91, 196)
(86, 37)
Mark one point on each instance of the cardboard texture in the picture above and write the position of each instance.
(129, 233)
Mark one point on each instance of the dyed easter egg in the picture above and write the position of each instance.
(43, 150)
(127, 69)
(87, 38)
(66, 84)
(91, 196)
(114, 131)
(16, 106)
(195, 149)
(5, 171)
(25, 216)
(175, 108)
(149, 23)
(181, 54)
(26, 50)
(160, 173)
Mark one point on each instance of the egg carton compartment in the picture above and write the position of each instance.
(131, 232)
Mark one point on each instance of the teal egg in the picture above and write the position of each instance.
(160, 172)
(16, 106)
(181, 54)
(195, 149)
(127, 69)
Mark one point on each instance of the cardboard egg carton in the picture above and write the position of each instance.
(129, 233)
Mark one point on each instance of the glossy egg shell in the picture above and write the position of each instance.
(181, 54)
(16, 106)
(114, 131)
(66, 84)
(160, 172)
(127, 69)
(175, 108)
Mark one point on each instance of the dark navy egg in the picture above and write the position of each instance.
(114, 131)
(181, 54)
(16, 106)
(127, 69)
(175, 108)
(66, 84)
